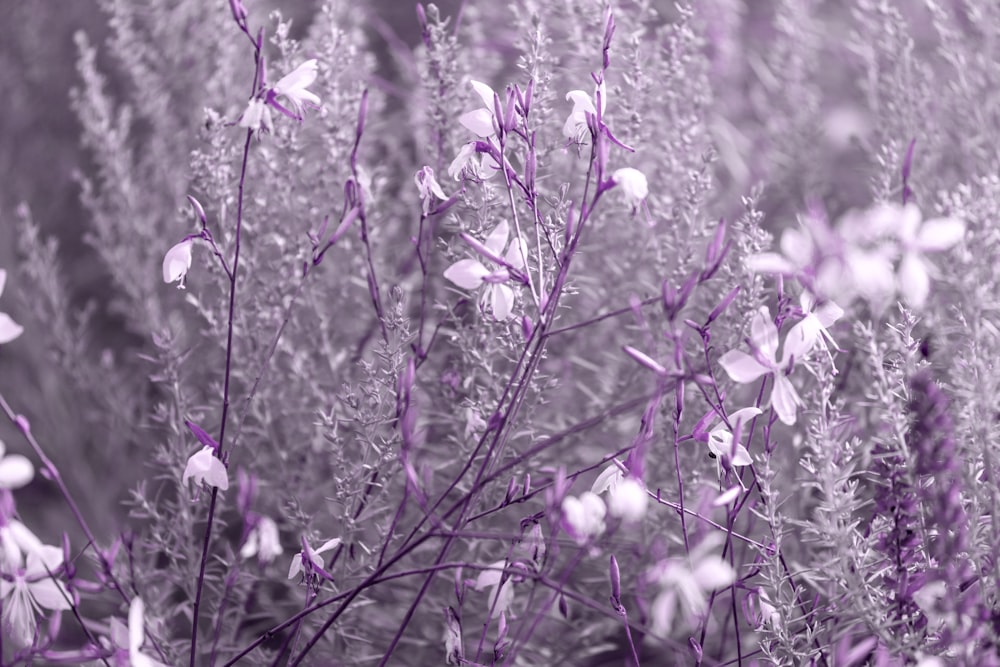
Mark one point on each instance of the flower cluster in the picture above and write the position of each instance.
(874, 254)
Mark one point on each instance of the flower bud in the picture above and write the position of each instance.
(616, 581)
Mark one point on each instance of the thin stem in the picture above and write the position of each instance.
(225, 401)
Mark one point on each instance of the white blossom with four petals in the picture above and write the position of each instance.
(685, 584)
(583, 517)
(293, 87)
(32, 589)
(264, 541)
(576, 128)
(177, 262)
(313, 556)
(472, 274)
(205, 468)
(913, 278)
(744, 368)
(633, 184)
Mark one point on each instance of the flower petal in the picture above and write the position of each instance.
(3, 280)
(479, 122)
(497, 240)
(581, 101)
(502, 301)
(9, 329)
(467, 273)
(940, 234)
(15, 471)
(491, 575)
(712, 573)
(914, 283)
(485, 93)
(764, 334)
(516, 253)
(785, 399)
(136, 632)
(741, 367)
(50, 594)
(607, 480)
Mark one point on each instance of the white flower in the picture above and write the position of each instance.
(480, 121)
(633, 184)
(583, 517)
(686, 583)
(500, 597)
(820, 315)
(204, 467)
(744, 368)
(428, 187)
(628, 501)
(483, 168)
(916, 239)
(313, 556)
(720, 438)
(293, 86)
(9, 329)
(32, 589)
(264, 541)
(177, 262)
(129, 642)
(15, 470)
(257, 117)
(627, 498)
(575, 127)
(471, 274)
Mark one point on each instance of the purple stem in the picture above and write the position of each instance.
(225, 396)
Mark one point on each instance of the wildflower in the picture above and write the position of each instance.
(177, 262)
(916, 239)
(293, 86)
(720, 438)
(128, 642)
(205, 467)
(744, 368)
(257, 117)
(311, 558)
(685, 583)
(819, 316)
(627, 497)
(264, 541)
(471, 274)
(583, 517)
(15, 470)
(481, 121)
(9, 329)
(501, 595)
(633, 184)
(576, 127)
(428, 187)
(482, 169)
(629, 500)
(32, 588)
